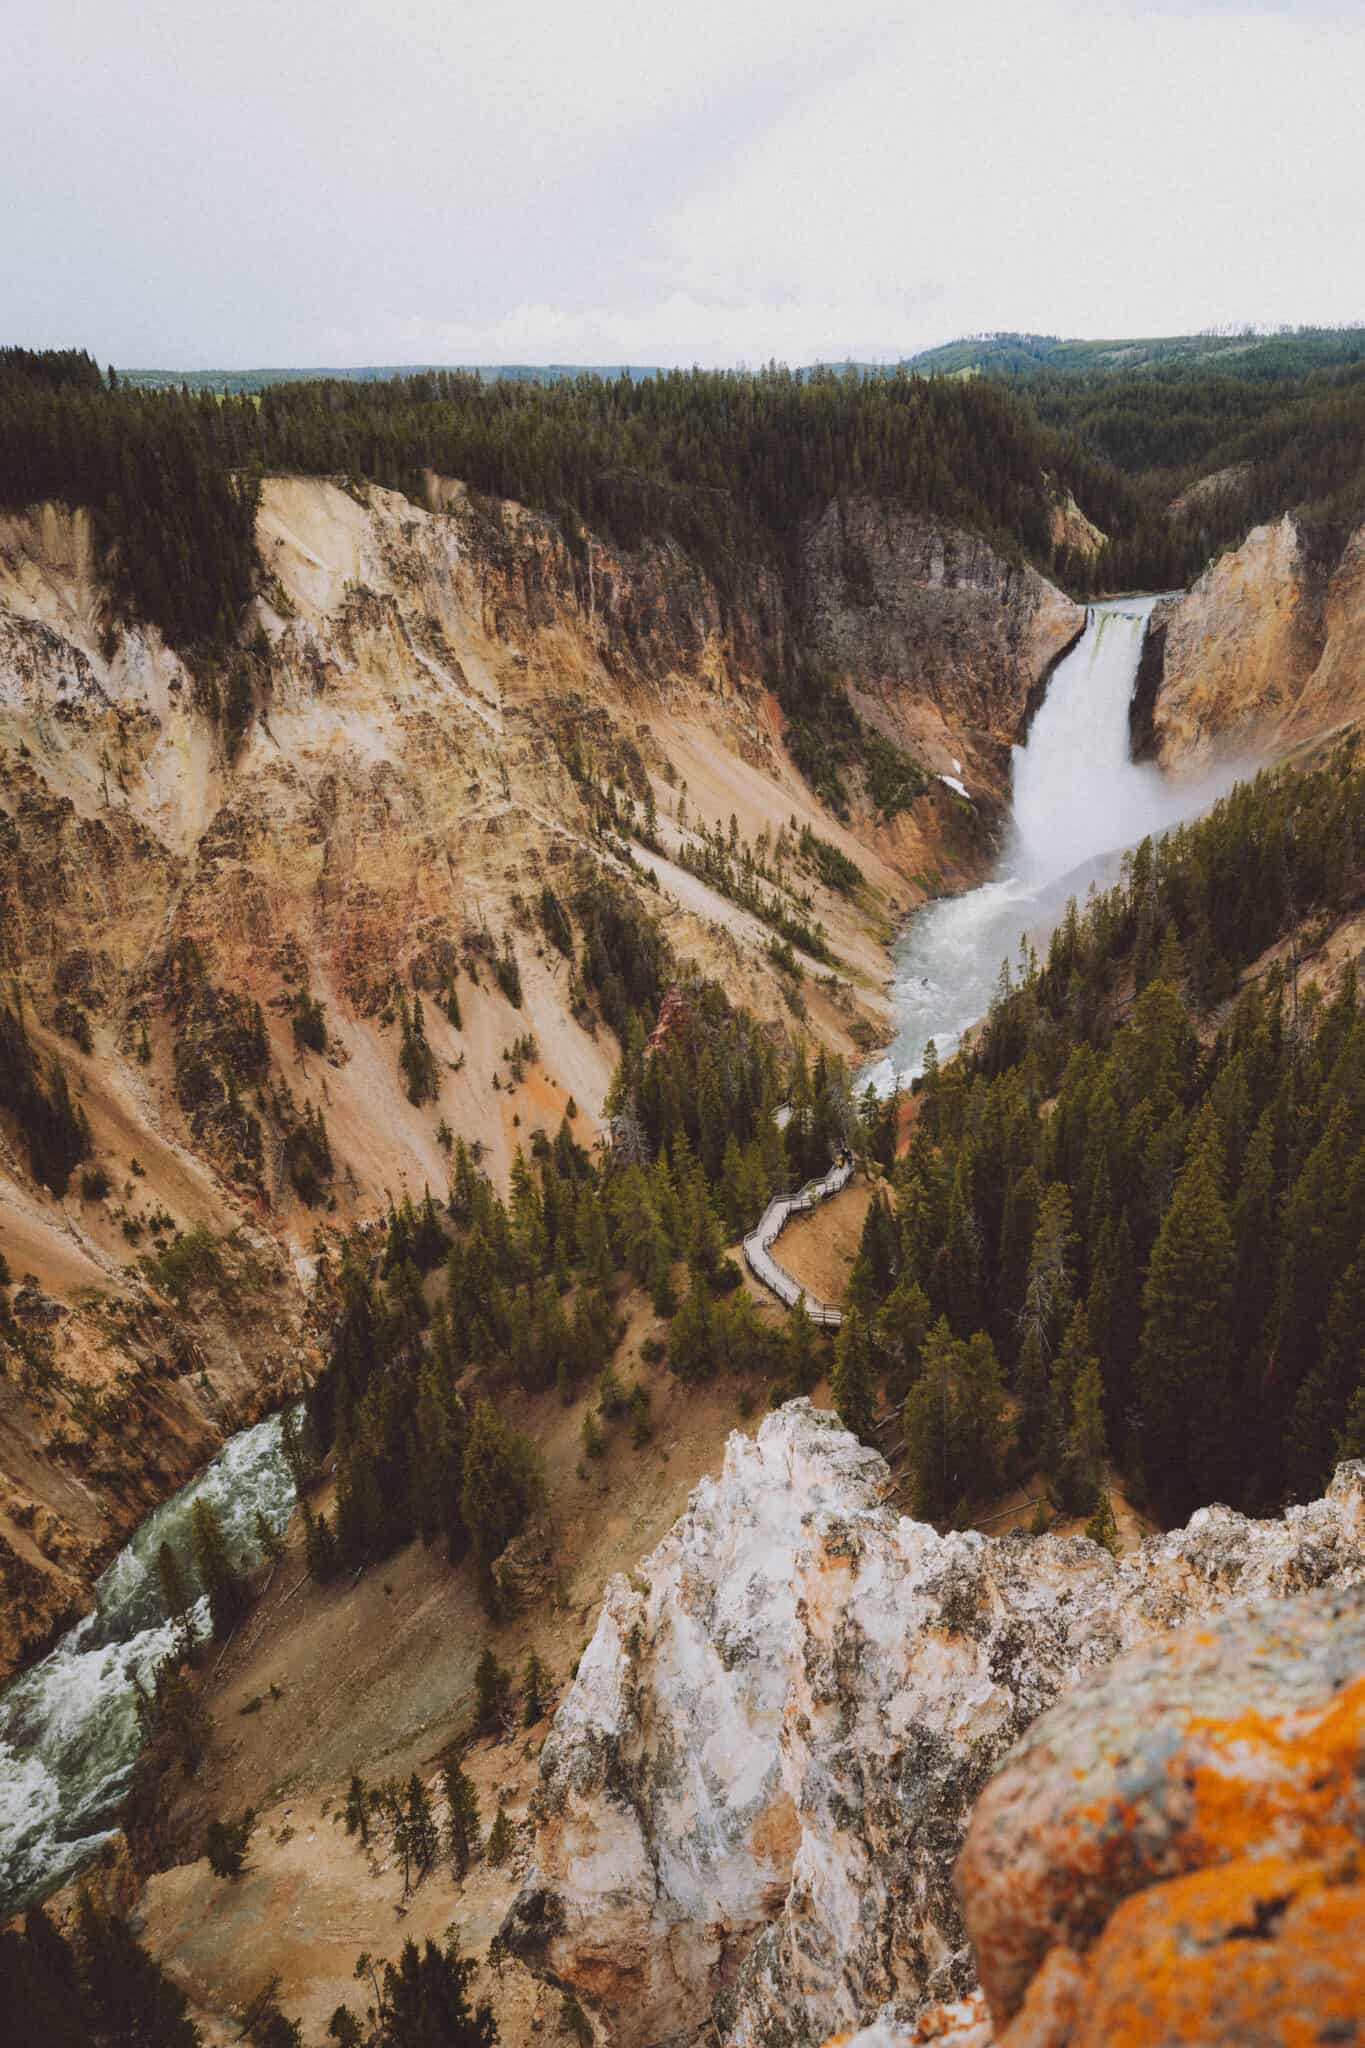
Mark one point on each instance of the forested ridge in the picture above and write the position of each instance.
(1131, 1218)
(727, 464)
(731, 466)
(1277, 419)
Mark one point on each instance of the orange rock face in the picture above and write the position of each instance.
(1262, 1953)
(1176, 1854)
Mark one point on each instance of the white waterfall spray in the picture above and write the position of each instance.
(1079, 801)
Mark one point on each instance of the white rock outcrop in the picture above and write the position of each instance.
(754, 1791)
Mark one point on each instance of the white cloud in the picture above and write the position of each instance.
(633, 180)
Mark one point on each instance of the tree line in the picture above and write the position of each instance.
(729, 466)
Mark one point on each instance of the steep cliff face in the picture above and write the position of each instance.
(433, 697)
(754, 1792)
(945, 646)
(1265, 650)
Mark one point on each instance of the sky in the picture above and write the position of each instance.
(274, 182)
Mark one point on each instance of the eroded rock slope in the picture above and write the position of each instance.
(1266, 649)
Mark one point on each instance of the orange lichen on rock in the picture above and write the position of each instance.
(1258, 1780)
(1263, 1953)
(1231, 1744)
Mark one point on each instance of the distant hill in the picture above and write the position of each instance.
(1256, 357)
(1249, 356)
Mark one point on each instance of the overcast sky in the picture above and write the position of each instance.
(361, 181)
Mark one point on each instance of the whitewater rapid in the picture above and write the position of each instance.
(68, 1728)
(1079, 801)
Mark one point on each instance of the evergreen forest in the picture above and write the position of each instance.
(730, 467)
(1130, 1220)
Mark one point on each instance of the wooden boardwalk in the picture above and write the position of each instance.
(779, 1212)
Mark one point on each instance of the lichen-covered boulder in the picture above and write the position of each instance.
(1178, 1844)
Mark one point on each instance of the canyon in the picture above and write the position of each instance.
(426, 679)
(747, 1810)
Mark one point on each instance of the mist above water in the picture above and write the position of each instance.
(1079, 801)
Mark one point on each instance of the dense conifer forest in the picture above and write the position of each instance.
(1130, 1219)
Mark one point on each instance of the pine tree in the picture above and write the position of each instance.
(1020, 1221)
(803, 1363)
(1102, 1528)
(357, 1810)
(319, 1546)
(421, 2002)
(899, 1331)
(225, 1844)
(177, 1600)
(878, 1261)
(1033, 1389)
(641, 1428)
(1063, 1379)
(853, 1381)
(416, 1836)
(463, 1831)
(493, 1693)
(535, 1689)
(962, 1252)
(502, 1483)
(981, 1435)
(1084, 1448)
(1048, 1282)
(226, 1589)
(1182, 1369)
(692, 1338)
(499, 1846)
(954, 1421)
(928, 1425)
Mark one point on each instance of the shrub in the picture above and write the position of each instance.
(225, 1844)
(193, 1260)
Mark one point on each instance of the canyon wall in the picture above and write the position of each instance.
(1266, 650)
(366, 802)
(754, 1792)
(945, 646)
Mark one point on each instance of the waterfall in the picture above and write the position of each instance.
(1079, 801)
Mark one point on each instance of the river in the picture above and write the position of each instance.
(68, 1727)
(1079, 801)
